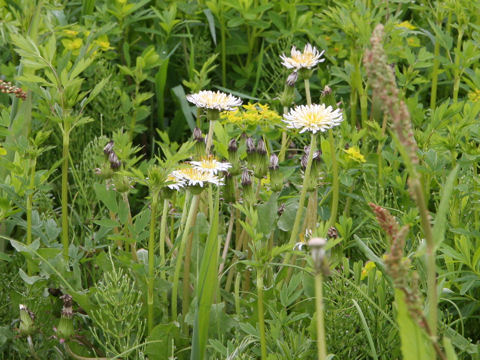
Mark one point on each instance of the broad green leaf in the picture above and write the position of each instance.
(108, 197)
(30, 280)
(180, 94)
(416, 345)
(449, 350)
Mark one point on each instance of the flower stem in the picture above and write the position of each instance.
(29, 211)
(178, 262)
(307, 92)
(321, 344)
(298, 216)
(261, 318)
(436, 65)
(66, 141)
(151, 263)
(457, 71)
(335, 181)
(163, 233)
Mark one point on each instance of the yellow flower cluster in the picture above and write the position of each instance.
(251, 114)
(73, 42)
(406, 25)
(474, 96)
(355, 154)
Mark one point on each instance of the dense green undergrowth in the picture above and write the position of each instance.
(351, 232)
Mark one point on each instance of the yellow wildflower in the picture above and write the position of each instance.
(3, 152)
(73, 45)
(369, 266)
(413, 41)
(71, 33)
(407, 25)
(474, 96)
(251, 114)
(103, 43)
(354, 154)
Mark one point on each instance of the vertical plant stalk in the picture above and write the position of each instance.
(283, 148)
(163, 234)
(65, 153)
(186, 275)
(457, 72)
(384, 87)
(151, 262)
(178, 261)
(31, 190)
(321, 343)
(335, 181)
(303, 193)
(212, 116)
(307, 92)
(133, 245)
(261, 317)
(436, 65)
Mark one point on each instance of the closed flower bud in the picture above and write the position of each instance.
(317, 247)
(232, 146)
(233, 157)
(65, 327)
(247, 188)
(108, 148)
(199, 147)
(27, 326)
(276, 177)
(273, 162)
(229, 188)
(198, 136)
(115, 163)
(246, 180)
(292, 79)
(260, 162)
(261, 148)
(250, 145)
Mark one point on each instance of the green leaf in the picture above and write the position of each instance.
(267, 213)
(416, 345)
(449, 351)
(5, 257)
(441, 217)
(162, 341)
(108, 197)
(182, 99)
(30, 280)
(206, 288)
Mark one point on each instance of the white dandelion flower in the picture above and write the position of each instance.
(214, 100)
(307, 59)
(313, 118)
(175, 183)
(210, 164)
(194, 177)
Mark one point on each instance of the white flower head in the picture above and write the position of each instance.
(307, 59)
(210, 164)
(175, 183)
(214, 100)
(194, 177)
(313, 118)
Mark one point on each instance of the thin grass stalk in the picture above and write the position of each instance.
(335, 181)
(151, 263)
(65, 152)
(261, 316)
(178, 261)
(321, 343)
(227, 242)
(283, 148)
(307, 92)
(457, 72)
(186, 277)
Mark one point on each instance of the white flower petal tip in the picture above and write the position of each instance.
(299, 246)
(307, 59)
(313, 118)
(214, 100)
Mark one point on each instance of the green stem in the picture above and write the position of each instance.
(151, 263)
(436, 65)
(223, 39)
(66, 141)
(321, 344)
(298, 216)
(163, 233)
(261, 318)
(457, 71)
(30, 209)
(178, 261)
(335, 181)
(307, 92)
(213, 116)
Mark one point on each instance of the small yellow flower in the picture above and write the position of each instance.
(407, 25)
(71, 33)
(369, 266)
(474, 96)
(252, 114)
(103, 43)
(413, 41)
(355, 154)
(72, 45)
(3, 152)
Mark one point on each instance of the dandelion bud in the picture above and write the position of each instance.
(281, 209)
(318, 254)
(326, 91)
(232, 146)
(250, 145)
(65, 326)
(261, 148)
(276, 177)
(292, 79)
(273, 162)
(247, 188)
(246, 180)
(197, 135)
(260, 162)
(332, 232)
(108, 148)
(229, 188)
(115, 163)
(27, 326)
